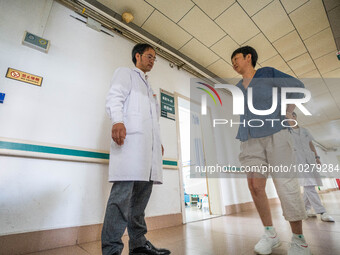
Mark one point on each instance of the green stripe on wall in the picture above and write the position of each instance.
(52, 150)
(62, 151)
(169, 163)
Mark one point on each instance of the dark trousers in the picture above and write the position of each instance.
(125, 209)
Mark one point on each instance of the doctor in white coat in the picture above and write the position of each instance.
(135, 155)
(306, 154)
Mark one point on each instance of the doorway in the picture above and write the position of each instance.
(196, 204)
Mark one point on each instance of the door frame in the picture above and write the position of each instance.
(179, 155)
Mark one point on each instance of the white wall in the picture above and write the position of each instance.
(69, 109)
(331, 158)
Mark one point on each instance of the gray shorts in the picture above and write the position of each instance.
(276, 150)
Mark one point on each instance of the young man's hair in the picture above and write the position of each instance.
(245, 51)
(140, 48)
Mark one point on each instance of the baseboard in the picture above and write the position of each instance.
(243, 207)
(50, 239)
(327, 190)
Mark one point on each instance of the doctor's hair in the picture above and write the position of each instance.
(140, 48)
(245, 50)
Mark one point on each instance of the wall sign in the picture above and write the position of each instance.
(167, 105)
(2, 98)
(24, 77)
(36, 42)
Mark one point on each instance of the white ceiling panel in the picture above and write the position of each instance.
(333, 84)
(326, 133)
(291, 5)
(327, 63)
(316, 86)
(237, 24)
(264, 48)
(312, 74)
(222, 69)
(166, 30)
(302, 64)
(280, 30)
(202, 27)
(328, 105)
(291, 73)
(321, 43)
(290, 46)
(253, 6)
(166, 7)
(273, 21)
(336, 96)
(278, 63)
(199, 52)
(310, 18)
(139, 8)
(213, 8)
(316, 117)
(332, 74)
(225, 47)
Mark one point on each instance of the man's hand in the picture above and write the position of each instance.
(289, 115)
(162, 150)
(119, 133)
(318, 161)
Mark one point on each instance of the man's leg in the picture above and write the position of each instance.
(116, 217)
(257, 186)
(136, 224)
(296, 227)
(288, 190)
(308, 205)
(281, 155)
(314, 199)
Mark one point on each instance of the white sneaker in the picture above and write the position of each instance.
(267, 243)
(299, 249)
(310, 213)
(326, 217)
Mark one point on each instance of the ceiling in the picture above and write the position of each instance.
(294, 36)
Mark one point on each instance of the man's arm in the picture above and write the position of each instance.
(290, 110)
(317, 158)
(119, 91)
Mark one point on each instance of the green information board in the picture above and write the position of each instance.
(167, 105)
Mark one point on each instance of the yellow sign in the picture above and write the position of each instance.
(24, 77)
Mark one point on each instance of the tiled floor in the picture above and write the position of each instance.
(194, 213)
(234, 234)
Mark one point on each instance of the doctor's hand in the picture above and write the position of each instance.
(119, 133)
(162, 150)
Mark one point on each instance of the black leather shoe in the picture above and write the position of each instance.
(148, 249)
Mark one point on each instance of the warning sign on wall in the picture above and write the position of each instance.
(24, 77)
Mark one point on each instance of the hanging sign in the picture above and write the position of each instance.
(24, 77)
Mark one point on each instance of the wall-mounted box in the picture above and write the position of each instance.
(2, 98)
(36, 42)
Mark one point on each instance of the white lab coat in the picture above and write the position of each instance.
(304, 155)
(132, 101)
